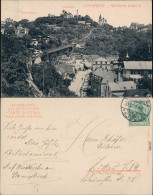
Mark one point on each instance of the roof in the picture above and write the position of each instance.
(63, 68)
(100, 73)
(90, 58)
(138, 65)
(81, 22)
(137, 92)
(93, 57)
(101, 59)
(108, 76)
(122, 86)
(112, 58)
(87, 64)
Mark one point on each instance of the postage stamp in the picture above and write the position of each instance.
(136, 111)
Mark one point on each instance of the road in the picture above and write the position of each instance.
(84, 39)
(77, 83)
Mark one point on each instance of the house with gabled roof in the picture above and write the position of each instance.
(65, 70)
(102, 63)
(137, 69)
(117, 89)
(99, 79)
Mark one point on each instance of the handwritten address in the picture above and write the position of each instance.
(36, 154)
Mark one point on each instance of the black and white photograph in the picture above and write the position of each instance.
(85, 49)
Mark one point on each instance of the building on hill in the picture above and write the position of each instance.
(81, 22)
(20, 31)
(88, 24)
(117, 89)
(34, 42)
(102, 21)
(50, 26)
(9, 20)
(66, 14)
(77, 14)
(51, 16)
(137, 69)
(102, 63)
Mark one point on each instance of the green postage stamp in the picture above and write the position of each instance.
(137, 111)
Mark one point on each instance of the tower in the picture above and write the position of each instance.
(77, 12)
(127, 56)
(100, 20)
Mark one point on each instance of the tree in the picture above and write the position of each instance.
(145, 83)
(14, 77)
(24, 23)
(53, 81)
(72, 75)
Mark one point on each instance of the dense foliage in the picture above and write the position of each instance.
(104, 40)
(107, 41)
(145, 83)
(14, 77)
(53, 81)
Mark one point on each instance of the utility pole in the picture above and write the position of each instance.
(66, 79)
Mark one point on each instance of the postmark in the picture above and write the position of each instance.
(136, 111)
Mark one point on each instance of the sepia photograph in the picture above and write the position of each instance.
(76, 49)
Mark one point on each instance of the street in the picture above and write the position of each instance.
(78, 82)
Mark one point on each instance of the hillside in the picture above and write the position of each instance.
(107, 41)
(53, 32)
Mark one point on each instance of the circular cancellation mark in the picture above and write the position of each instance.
(136, 109)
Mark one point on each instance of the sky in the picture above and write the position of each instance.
(117, 13)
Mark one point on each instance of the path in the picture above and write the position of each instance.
(77, 83)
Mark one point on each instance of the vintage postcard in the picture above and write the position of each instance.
(76, 106)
